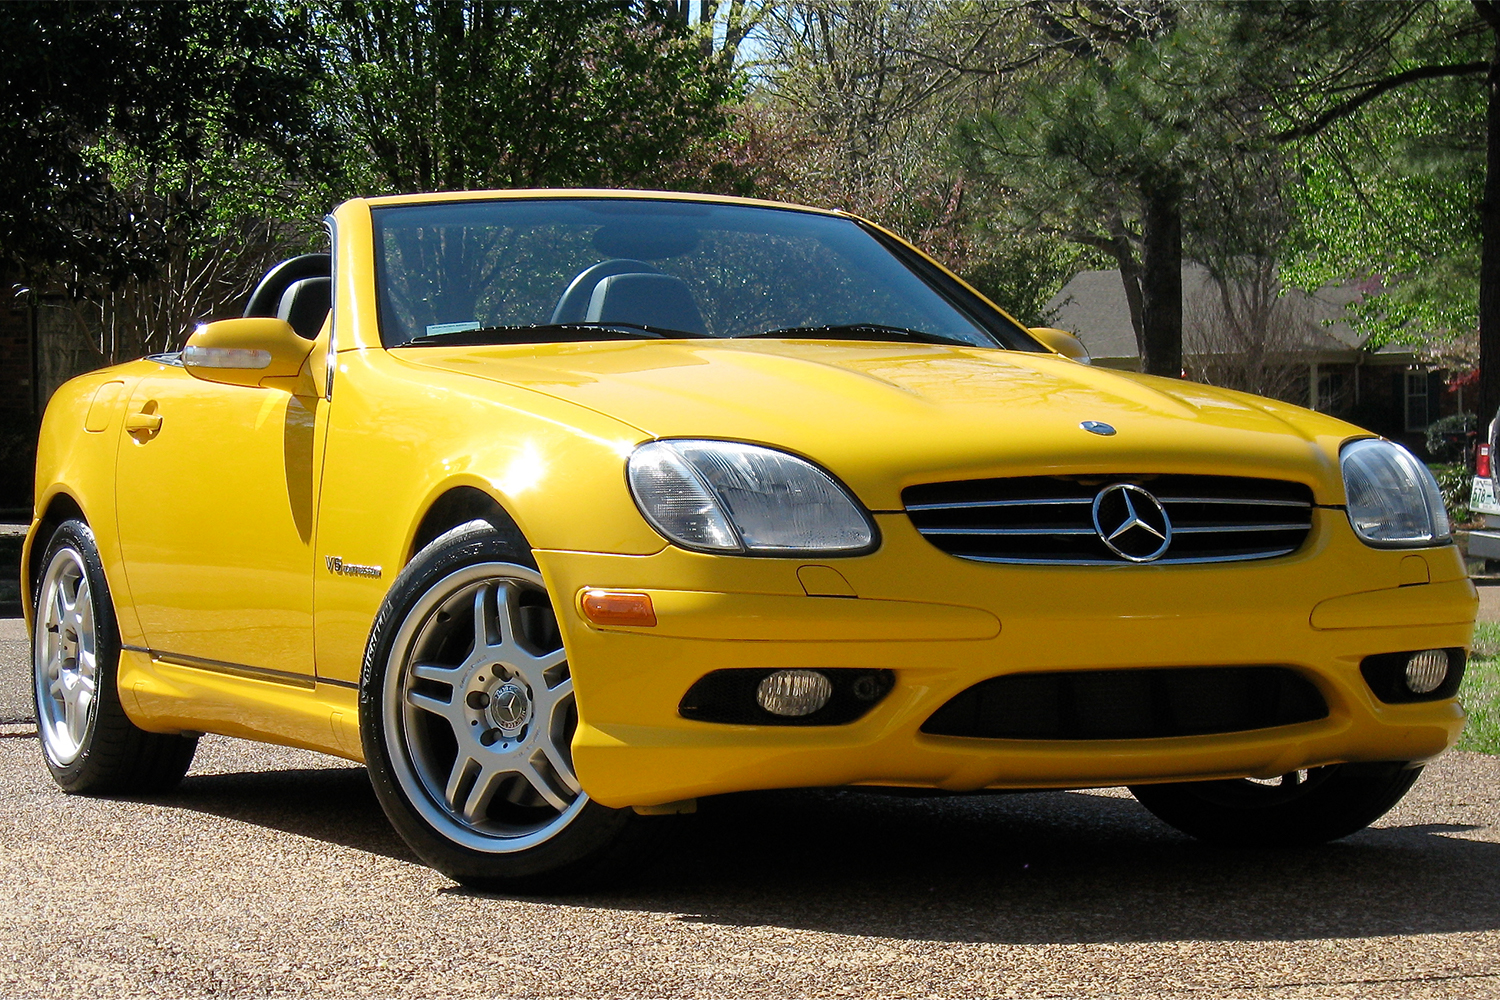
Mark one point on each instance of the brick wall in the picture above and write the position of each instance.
(17, 393)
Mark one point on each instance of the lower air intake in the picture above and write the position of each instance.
(1129, 704)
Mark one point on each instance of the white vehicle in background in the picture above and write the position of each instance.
(1485, 543)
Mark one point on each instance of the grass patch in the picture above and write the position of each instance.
(1480, 692)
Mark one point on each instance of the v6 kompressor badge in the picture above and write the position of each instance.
(338, 567)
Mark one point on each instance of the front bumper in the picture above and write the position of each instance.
(942, 624)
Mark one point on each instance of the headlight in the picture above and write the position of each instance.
(719, 496)
(1393, 499)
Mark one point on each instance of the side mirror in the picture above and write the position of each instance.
(254, 351)
(1062, 342)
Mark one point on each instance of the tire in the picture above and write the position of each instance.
(467, 716)
(90, 745)
(1297, 810)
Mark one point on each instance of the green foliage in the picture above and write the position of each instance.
(1022, 273)
(1381, 109)
(1447, 439)
(1135, 134)
(470, 94)
(162, 83)
(128, 129)
(1480, 692)
(1455, 481)
(1389, 198)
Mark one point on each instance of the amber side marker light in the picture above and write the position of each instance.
(610, 607)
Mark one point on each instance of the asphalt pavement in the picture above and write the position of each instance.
(273, 872)
(15, 672)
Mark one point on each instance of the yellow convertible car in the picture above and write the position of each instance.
(564, 509)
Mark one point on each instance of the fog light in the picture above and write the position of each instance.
(794, 692)
(1426, 671)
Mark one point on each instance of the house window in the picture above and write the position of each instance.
(1417, 417)
(1330, 392)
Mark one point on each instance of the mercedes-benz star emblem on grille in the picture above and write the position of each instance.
(1132, 522)
(1098, 427)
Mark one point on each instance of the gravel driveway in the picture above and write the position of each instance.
(272, 872)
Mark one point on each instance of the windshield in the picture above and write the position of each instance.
(510, 270)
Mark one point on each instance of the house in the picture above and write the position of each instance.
(1287, 343)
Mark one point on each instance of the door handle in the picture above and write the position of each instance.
(145, 423)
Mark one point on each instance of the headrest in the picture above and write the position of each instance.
(659, 300)
(267, 294)
(574, 304)
(305, 305)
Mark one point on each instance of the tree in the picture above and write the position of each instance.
(1420, 73)
(461, 94)
(1389, 200)
(859, 97)
(1247, 335)
(165, 80)
(1103, 147)
(210, 227)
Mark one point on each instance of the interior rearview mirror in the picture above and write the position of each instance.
(1062, 342)
(255, 350)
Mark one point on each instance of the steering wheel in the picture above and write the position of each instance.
(573, 307)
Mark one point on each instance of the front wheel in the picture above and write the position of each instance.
(467, 715)
(1298, 809)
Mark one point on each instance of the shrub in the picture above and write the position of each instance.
(1448, 438)
(1455, 481)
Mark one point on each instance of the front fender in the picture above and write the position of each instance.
(75, 472)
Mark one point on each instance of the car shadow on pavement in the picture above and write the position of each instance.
(1040, 868)
(1053, 867)
(332, 804)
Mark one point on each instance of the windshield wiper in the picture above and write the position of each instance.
(550, 333)
(861, 331)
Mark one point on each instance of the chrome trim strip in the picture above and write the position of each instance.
(287, 677)
(331, 358)
(1006, 531)
(1055, 501)
(1215, 529)
(1006, 560)
(1245, 502)
(997, 503)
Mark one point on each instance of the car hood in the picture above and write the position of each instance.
(885, 416)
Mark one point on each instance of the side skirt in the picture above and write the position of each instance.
(170, 693)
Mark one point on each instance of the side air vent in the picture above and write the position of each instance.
(1115, 519)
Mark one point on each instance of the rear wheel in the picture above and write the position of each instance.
(89, 743)
(1297, 809)
(467, 717)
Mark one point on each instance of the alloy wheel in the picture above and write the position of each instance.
(65, 657)
(480, 713)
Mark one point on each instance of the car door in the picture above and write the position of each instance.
(215, 500)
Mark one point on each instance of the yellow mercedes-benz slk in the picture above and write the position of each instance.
(561, 509)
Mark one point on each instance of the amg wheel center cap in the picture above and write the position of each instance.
(1132, 523)
(510, 708)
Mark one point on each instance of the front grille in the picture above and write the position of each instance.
(1129, 704)
(1050, 519)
